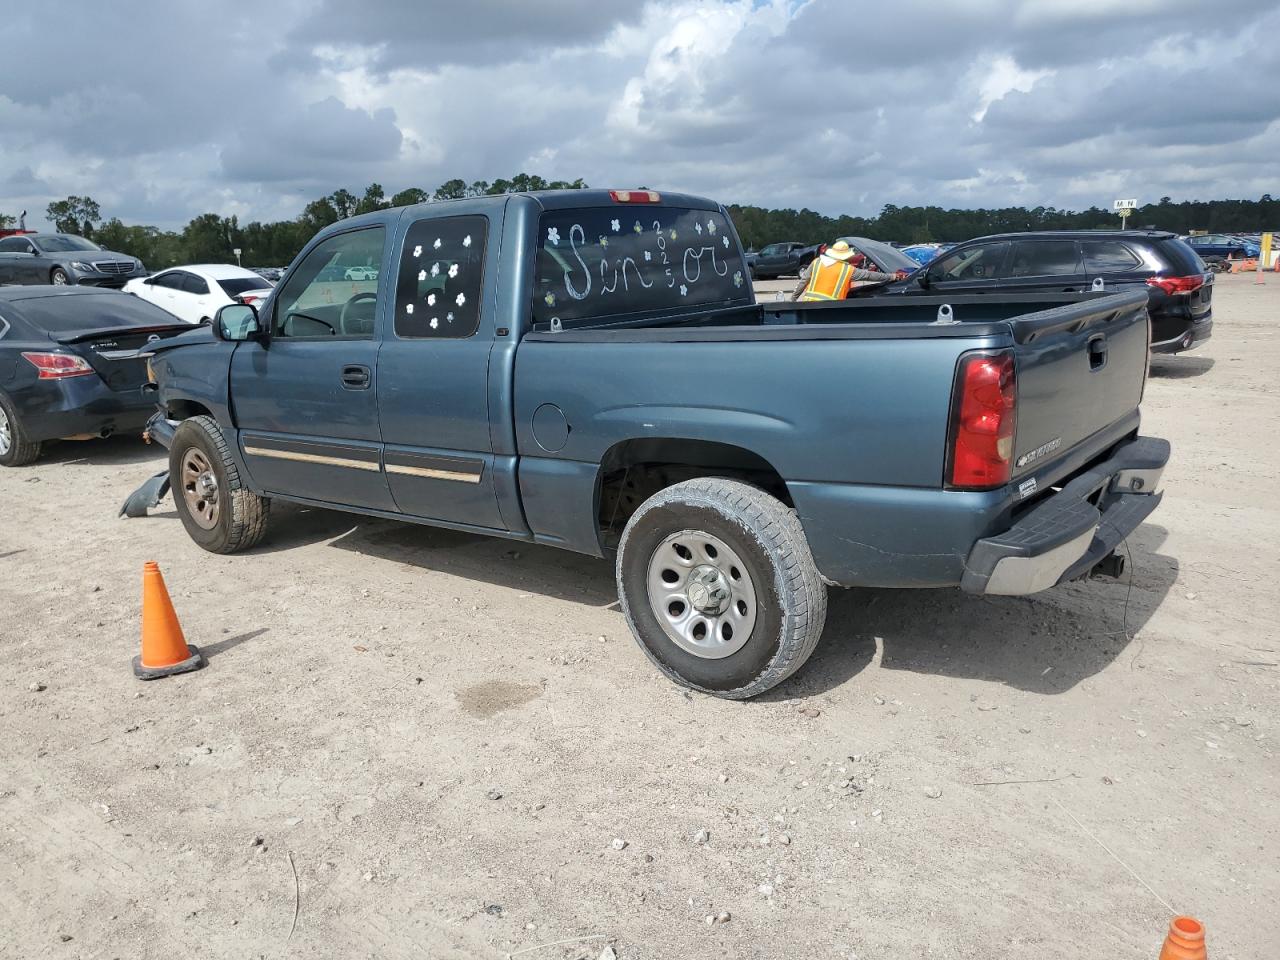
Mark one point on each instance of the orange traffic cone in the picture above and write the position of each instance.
(165, 650)
(1185, 940)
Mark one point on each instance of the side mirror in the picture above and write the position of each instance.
(237, 322)
(922, 278)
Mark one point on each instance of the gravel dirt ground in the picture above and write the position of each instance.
(417, 743)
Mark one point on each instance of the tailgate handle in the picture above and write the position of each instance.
(355, 377)
(1097, 352)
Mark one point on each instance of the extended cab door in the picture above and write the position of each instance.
(306, 403)
(433, 371)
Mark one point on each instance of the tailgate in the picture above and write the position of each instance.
(119, 355)
(1080, 369)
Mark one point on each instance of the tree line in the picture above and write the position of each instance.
(211, 238)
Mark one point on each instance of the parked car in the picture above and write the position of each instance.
(781, 259)
(69, 365)
(64, 258)
(195, 293)
(1179, 286)
(360, 273)
(883, 257)
(925, 253)
(1221, 245)
(596, 375)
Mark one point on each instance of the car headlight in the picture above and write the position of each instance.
(81, 265)
(137, 265)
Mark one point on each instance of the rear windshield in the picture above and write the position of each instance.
(614, 261)
(241, 284)
(92, 312)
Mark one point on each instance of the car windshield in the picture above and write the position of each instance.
(93, 311)
(774, 248)
(64, 244)
(235, 285)
(602, 262)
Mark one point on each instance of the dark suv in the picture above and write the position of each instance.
(1180, 287)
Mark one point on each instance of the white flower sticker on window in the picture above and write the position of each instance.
(435, 322)
(725, 241)
(673, 234)
(553, 236)
(549, 299)
(684, 291)
(711, 227)
(648, 256)
(436, 245)
(417, 251)
(431, 299)
(616, 226)
(408, 308)
(636, 228)
(422, 275)
(449, 316)
(737, 279)
(604, 241)
(466, 241)
(435, 269)
(698, 227)
(461, 299)
(453, 270)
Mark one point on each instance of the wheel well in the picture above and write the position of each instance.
(634, 470)
(186, 409)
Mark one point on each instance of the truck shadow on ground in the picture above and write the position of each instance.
(113, 451)
(1043, 644)
(1180, 368)
(1047, 643)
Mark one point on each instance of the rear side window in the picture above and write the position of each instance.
(237, 285)
(192, 283)
(1043, 258)
(441, 270)
(66, 314)
(1108, 256)
(627, 259)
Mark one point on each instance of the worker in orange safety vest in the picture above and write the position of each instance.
(834, 272)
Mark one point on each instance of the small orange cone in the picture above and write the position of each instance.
(1185, 940)
(165, 650)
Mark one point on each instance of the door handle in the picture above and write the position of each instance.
(355, 377)
(1097, 352)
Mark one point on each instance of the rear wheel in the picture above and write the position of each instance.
(58, 277)
(217, 510)
(15, 449)
(719, 588)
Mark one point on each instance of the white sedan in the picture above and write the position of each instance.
(195, 293)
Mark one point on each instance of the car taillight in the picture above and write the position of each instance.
(635, 196)
(250, 297)
(983, 417)
(1176, 286)
(58, 366)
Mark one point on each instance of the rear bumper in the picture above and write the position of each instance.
(81, 406)
(1195, 333)
(1069, 533)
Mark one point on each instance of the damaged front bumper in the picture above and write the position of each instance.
(1069, 533)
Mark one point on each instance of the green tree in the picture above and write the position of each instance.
(451, 190)
(409, 196)
(74, 215)
(374, 199)
(344, 202)
(7, 221)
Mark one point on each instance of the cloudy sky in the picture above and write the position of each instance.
(163, 110)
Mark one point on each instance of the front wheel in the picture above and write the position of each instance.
(719, 587)
(58, 277)
(217, 510)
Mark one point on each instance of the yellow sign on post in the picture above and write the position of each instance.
(1264, 257)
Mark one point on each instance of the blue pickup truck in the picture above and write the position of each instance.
(590, 370)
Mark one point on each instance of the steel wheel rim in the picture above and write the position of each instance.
(200, 489)
(59, 278)
(6, 433)
(702, 594)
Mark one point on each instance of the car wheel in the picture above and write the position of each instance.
(218, 511)
(719, 588)
(15, 449)
(58, 277)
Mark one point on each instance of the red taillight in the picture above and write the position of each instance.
(635, 196)
(983, 418)
(58, 366)
(1176, 286)
(250, 297)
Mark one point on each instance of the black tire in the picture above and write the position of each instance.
(240, 517)
(58, 277)
(21, 451)
(790, 595)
